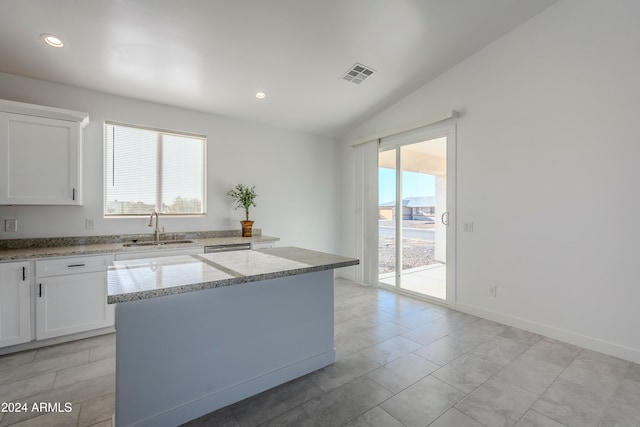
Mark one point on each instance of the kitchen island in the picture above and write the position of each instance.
(196, 333)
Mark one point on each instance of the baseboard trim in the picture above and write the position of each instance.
(345, 275)
(56, 340)
(591, 343)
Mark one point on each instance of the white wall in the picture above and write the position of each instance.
(295, 174)
(548, 172)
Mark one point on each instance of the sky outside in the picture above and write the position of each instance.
(413, 184)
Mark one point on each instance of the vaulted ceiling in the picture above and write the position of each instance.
(215, 55)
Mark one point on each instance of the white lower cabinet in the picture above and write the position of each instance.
(71, 296)
(15, 303)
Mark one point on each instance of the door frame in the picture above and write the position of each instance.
(443, 129)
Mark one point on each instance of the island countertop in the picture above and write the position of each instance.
(133, 280)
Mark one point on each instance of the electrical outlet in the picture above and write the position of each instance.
(10, 225)
(89, 223)
(467, 227)
(493, 291)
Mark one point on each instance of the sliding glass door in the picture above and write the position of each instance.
(413, 217)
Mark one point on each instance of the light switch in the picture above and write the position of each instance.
(89, 223)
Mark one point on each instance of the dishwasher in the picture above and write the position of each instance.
(227, 248)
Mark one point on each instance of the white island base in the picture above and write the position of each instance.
(181, 356)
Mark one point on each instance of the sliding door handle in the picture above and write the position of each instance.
(445, 218)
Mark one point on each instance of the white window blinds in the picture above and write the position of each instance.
(148, 169)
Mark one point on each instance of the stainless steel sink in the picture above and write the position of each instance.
(157, 243)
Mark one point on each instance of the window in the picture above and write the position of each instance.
(149, 169)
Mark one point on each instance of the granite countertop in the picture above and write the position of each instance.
(26, 249)
(133, 280)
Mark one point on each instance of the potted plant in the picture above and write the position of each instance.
(244, 196)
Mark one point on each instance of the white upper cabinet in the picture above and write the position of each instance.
(40, 155)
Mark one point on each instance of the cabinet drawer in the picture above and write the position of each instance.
(60, 266)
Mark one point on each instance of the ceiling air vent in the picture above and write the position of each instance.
(358, 73)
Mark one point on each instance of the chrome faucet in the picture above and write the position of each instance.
(156, 233)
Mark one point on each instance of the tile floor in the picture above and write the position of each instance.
(81, 373)
(401, 362)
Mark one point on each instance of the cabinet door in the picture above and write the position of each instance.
(72, 303)
(15, 304)
(40, 159)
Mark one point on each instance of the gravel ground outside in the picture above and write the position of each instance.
(415, 252)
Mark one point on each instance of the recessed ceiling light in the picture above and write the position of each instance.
(261, 95)
(51, 40)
